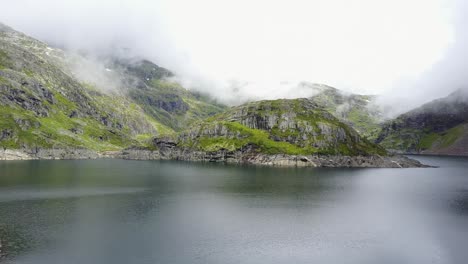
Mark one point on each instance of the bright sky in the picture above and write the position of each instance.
(364, 46)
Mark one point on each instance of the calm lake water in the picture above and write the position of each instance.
(116, 211)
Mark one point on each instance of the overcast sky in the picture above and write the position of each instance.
(413, 49)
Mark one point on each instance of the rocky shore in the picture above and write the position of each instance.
(279, 160)
(47, 154)
(232, 157)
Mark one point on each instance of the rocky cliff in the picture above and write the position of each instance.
(296, 126)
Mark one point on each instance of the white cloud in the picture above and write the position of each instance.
(364, 46)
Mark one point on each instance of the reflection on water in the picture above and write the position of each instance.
(113, 211)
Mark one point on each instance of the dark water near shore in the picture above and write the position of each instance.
(115, 211)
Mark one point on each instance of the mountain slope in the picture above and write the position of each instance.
(358, 111)
(438, 127)
(43, 106)
(293, 127)
(48, 99)
(166, 101)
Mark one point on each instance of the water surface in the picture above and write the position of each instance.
(116, 211)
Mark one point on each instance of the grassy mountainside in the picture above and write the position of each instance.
(438, 127)
(353, 109)
(166, 101)
(294, 127)
(45, 103)
(41, 105)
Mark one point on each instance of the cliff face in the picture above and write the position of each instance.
(438, 127)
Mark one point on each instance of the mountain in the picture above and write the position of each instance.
(438, 127)
(50, 98)
(296, 126)
(357, 111)
(53, 101)
(292, 127)
(294, 132)
(163, 99)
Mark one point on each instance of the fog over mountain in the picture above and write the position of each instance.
(410, 52)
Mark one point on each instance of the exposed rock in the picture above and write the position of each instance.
(280, 160)
(47, 154)
(296, 126)
(8, 154)
(251, 132)
(170, 151)
(6, 134)
(26, 124)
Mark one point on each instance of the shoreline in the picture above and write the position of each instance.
(230, 157)
(427, 153)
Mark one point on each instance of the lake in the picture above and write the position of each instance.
(118, 211)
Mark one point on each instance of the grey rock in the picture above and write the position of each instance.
(168, 149)
(47, 154)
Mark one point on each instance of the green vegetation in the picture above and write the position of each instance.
(435, 127)
(407, 139)
(441, 140)
(450, 136)
(22, 128)
(247, 136)
(44, 105)
(365, 123)
(4, 60)
(428, 140)
(353, 109)
(172, 105)
(295, 127)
